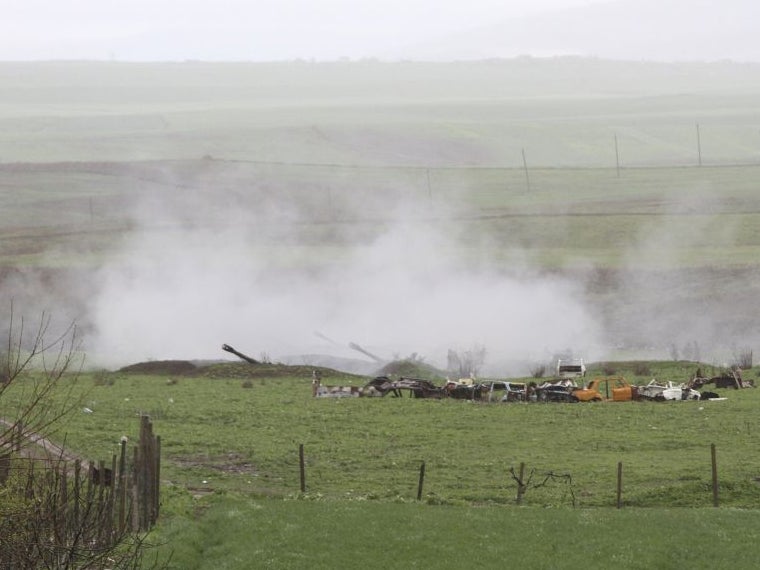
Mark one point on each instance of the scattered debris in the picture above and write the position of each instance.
(319, 390)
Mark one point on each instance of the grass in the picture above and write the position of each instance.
(221, 436)
(235, 533)
(230, 483)
(707, 217)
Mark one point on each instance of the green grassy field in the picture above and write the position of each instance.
(231, 486)
(219, 435)
(246, 533)
(346, 146)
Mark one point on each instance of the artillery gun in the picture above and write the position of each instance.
(228, 348)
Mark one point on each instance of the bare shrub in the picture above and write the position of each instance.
(641, 369)
(467, 363)
(103, 378)
(609, 369)
(247, 384)
(538, 370)
(44, 521)
(742, 358)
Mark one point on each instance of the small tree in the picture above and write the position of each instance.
(466, 364)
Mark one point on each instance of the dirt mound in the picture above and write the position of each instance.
(411, 369)
(246, 370)
(161, 367)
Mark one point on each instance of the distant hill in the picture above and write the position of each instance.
(654, 30)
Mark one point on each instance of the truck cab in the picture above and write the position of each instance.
(571, 368)
(614, 388)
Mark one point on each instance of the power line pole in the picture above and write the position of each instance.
(525, 166)
(699, 147)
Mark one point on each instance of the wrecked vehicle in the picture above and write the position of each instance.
(553, 391)
(660, 392)
(510, 391)
(463, 389)
(416, 387)
(606, 388)
(571, 368)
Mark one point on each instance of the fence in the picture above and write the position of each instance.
(96, 503)
(524, 481)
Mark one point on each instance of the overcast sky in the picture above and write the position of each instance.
(265, 30)
(242, 29)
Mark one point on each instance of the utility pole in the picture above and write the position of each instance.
(699, 146)
(525, 166)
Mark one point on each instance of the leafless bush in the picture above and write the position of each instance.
(467, 363)
(641, 369)
(538, 370)
(37, 366)
(49, 518)
(691, 351)
(742, 358)
(55, 518)
(103, 378)
(609, 369)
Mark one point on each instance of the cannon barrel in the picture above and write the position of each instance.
(228, 348)
(358, 348)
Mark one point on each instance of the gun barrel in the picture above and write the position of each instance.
(228, 348)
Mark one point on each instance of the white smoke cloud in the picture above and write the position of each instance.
(180, 290)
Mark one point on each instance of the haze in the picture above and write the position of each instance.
(274, 30)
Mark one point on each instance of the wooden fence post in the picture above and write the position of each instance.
(5, 467)
(714, 475)
(520, 484)
(620, 485)
(157, 480)
(135, 479)
(77, 492)
(422, 481)
(302, 468)
(19, 435)
(121, 488)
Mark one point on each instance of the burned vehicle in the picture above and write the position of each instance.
(553, 391)
(660, 392)
(416, 387)
(504, 391)
(606, 388)
(463, 389)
